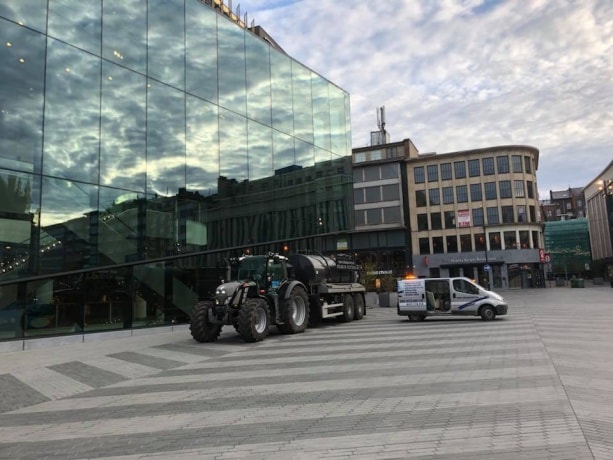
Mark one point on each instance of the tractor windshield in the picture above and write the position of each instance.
(253, 267)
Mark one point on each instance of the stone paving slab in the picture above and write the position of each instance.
(535, 384)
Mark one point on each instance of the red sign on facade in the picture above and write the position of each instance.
(542, 255)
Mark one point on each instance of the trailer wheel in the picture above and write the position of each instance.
(201, 328)
(253, 320)
(359, 307)
(348, 308)
(487, 313)
(294, 312)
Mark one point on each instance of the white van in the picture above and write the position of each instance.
(421, 297)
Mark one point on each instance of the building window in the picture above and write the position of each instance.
(432, 173)
(452, 243)
(478, 216)
(360, 218)
(505, 188)
(495, 242)
(446, 171)
(449, 219)
(447, 195)
(488, 166)
(517, 164)
(535, 240)
(530, 189)
(521, 213)
(358, 196)
(518, 185)
(502, 163)
(466, 243)
(373, 216)
(510, 240)
(476, 192)
(460, 169)
(524, 239)
(528, 165)
(424, 246)
(435, 221)
(492, 215)
(532, 213)
(490, 190)
(422, 222)
(371, 173)
(373, 194)
(437, 245)
(461, 194)
(418, 173)
(507, 214)
(435, 198)
(420, 198)
(358, 176)
(480, 242)
(391, 215)
(474, 168)
(390, 192)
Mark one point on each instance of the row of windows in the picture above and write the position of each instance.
(486, 167)
(523, 239)
(488, 190)
(493, 214)
(376, 172)
(378, 216)
(376, 194)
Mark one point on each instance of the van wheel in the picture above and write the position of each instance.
(487, 313)
(416, 317)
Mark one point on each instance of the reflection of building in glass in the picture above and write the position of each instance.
(564, 205)
(138, 151)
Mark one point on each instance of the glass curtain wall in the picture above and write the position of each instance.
(140, 142)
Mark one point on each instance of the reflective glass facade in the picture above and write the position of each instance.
(141, 141)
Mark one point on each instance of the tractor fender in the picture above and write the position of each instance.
(287, 288)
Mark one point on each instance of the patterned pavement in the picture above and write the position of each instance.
(536, 384)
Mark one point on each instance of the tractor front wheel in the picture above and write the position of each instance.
(253, 320)
(200, 326)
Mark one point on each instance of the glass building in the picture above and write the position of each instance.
(141, 142)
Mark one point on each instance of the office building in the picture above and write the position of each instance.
(142, 142)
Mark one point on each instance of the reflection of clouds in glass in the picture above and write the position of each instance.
(260, 151)
(232, 146)
(281, 82)
(338, 132)
(166, 41)
(72, 113)
(21, 97)
(201, 59)
(305, 155)
(124, 34)
(303, 102)
(321, 113)
(258, 80)
(122, 146)
(64, 200)
(165, 139)
(202, 146)
(232, 84)
(284, 154)
(29, 13)
(77, 23)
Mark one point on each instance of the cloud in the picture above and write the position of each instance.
(463, 74)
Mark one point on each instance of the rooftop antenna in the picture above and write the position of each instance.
(381, 118)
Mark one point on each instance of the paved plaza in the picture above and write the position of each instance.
(536, 384)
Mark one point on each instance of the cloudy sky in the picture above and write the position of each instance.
(463, 74)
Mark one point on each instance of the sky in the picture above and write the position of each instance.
(464, 74)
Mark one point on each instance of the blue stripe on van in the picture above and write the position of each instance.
(462, 307)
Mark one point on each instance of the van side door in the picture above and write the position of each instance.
(465, 296)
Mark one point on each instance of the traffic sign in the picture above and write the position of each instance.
(487, 267)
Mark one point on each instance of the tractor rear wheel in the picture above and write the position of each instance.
(253, 320)
(200, 326)
(294, 312)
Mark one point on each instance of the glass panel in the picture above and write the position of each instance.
(373, 216)
(231, 61)
(303, 103)
(460, 169)
(391, 215)
(422, 222)
(22, 56)
(495, 243)
(284, 155)
(124, 33)
(507, 215)
(19, 220)
(432, 173)
(233, 146)
(358, 196)
(447, 195)
(419, 175)
(488, 166)
(166, 41)
(436, 222)
(123, 135)
(29, 13)
(420, 198)
(492, 215)
(161, 227)
(517, 166)
(305, 153)
(424, 246)
(437, 245)
(389, 171)
(258, 81)
(502, 164)
(477, 216)
(201, 51)
(202, 146)
(337, 121)
(461, 194)
(390, 192)
(260, 151)
(373, 194)
(475, 192)
(490, 190)
(480, 242)
(446, 171)
(474, 168)
(72, 113)
(69, 226)
(505, 188)
(450, 219)
(435, 198)
(165, 139)
(282, 101)
(77, 23)
(510, 240)
(466, 243)
(321, 113)
(452, 243)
